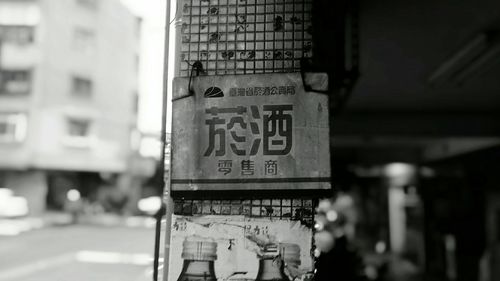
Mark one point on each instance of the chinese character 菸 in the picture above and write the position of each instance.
(220, 133)
(214, 133)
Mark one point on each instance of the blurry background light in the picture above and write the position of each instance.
(149, 205)
(73, 195)
(332, 215)
(399, 174)
(380, 247)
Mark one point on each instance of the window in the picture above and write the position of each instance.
(135, 102)
(3, 179)
(83, 40)
(78, 128)
(92, 4)
(78, 133)
(17, 34)
(15, 82)
(81, 87)
(12, 127)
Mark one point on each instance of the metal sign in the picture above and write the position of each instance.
(249, 132)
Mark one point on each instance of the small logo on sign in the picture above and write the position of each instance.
(214, 92)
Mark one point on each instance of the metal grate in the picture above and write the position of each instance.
(245, 36)
(279, 208)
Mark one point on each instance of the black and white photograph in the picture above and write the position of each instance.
(242, 140)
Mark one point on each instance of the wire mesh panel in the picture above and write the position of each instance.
(245, 36)
(279, 208)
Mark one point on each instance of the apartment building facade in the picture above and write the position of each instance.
(68, 96)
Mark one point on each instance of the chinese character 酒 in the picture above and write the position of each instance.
(278, 128)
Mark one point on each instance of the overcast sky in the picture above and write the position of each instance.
(151, 66)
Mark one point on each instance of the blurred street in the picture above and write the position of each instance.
(78, 252)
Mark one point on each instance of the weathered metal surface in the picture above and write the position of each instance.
(245, 36)
(249, 132)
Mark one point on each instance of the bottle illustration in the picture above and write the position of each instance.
(199, 257)
(271, 265)
(290, 254)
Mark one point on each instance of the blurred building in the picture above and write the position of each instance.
(68, 97)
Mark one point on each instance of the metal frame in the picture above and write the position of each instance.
(245, 36)
(276, 208)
